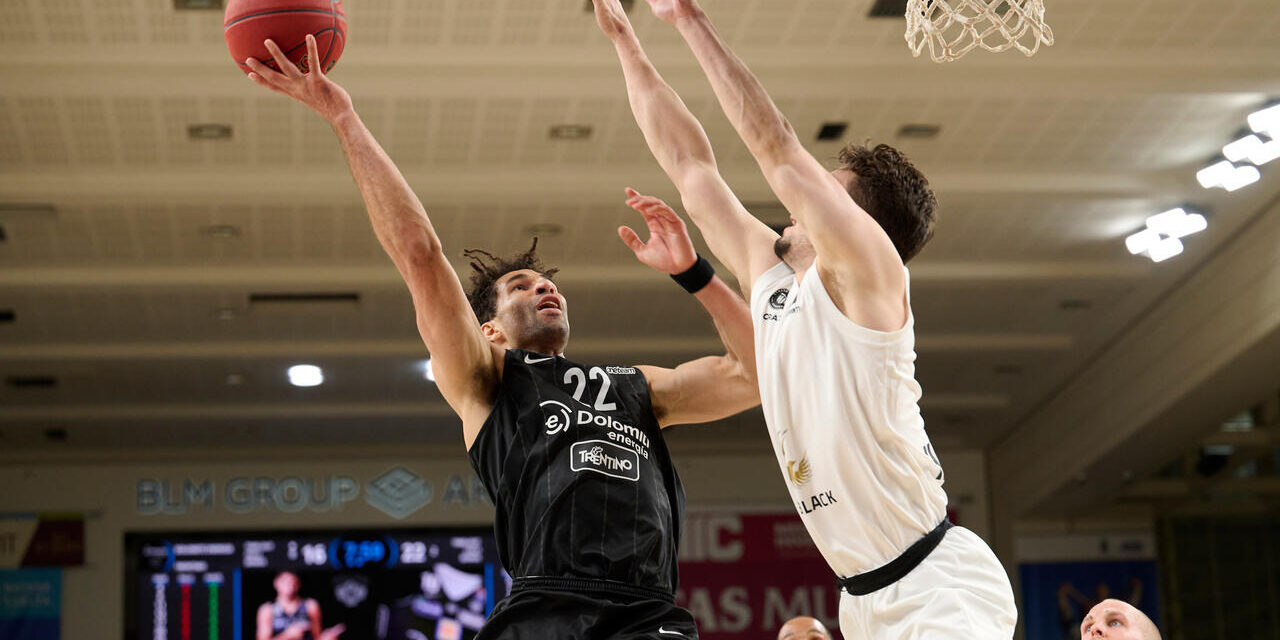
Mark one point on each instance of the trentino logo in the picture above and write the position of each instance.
(779, 298)
(398, 493)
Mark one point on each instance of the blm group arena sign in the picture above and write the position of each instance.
(744, 574)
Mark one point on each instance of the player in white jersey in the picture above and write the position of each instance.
(835, 343)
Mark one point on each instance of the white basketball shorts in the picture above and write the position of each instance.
(960, 590)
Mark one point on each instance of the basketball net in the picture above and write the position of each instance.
(952, 28)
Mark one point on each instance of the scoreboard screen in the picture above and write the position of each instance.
(433, 584)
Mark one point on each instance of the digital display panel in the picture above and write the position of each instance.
(437, 584)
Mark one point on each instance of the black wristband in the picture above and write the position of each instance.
(696, 277)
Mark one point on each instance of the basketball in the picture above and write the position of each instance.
(247, 23)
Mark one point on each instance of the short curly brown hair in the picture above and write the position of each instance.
(894, 192)
(487, 269)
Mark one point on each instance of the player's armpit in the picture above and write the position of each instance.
(700, 390)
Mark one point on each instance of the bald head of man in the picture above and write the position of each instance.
(1117, 620)
(803, 628)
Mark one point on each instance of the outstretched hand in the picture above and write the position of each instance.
(611, 18)
(313, 88)
(669, 249)
(671, 10)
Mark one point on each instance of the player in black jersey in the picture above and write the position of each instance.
(589, 505)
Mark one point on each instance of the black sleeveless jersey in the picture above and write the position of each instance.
(574, 461)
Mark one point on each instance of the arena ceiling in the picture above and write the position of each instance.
(151, 276)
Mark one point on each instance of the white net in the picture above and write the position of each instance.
(951, 28)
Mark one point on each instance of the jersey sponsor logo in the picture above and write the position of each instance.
(605, 458)
(815, 502)
(620, 371)
(799, 472)
(561, 418)
(667, 632)
(779, 298)
(558, 416)
(528, 359)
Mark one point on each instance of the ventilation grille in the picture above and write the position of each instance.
(571, 132)
(888, 9)
(832, 131)
(197, 4)
(210, 131)
(13, 210)
(31, 382)
(919, 131)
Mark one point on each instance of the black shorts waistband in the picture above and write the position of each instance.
(591, 587)
(881, 577)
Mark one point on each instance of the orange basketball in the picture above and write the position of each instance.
(248, 22)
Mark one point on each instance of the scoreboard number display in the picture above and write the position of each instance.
(433, 584)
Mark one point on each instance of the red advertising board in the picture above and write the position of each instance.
(744, 574)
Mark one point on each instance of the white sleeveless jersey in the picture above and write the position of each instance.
(842, 405)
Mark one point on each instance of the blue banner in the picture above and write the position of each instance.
(31, 604)
(1057, 595)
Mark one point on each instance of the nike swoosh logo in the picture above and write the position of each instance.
(663, 631)
(528, 360)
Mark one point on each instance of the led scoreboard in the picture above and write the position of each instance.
(436, 584)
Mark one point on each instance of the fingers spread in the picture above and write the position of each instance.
(313, 54)
(286, 67)
(261, 81)
(262, 74)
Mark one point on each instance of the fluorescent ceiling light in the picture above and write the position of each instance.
(1266, 120)
(1177, 223)
(1253, 149)
(305, 375)
(1165, 249)
(1242, 148)
(1215, 175)
(1241, 177)
(427, 371)
(1228, 176)
(1141, 241)
(1160, 240)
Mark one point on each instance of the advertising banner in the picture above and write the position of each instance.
(30, 604)
(1064, 576)
(743, 575)
(41, 540)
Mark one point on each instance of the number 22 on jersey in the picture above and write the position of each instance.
(575, 376)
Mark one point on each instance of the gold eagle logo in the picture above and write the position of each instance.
(798, 471)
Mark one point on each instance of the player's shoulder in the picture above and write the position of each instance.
(769, 277)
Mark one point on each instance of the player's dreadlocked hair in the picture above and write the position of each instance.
(487, 268)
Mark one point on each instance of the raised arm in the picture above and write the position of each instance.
(848, 241)
(708, 388)
(679, 143)
(466, 365)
